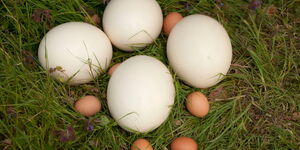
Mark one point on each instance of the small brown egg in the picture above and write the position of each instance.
(96, 19)
(88, 105)
(141, 144)
(170, 21)
(184, 143)
(113, 68)
(197, 104)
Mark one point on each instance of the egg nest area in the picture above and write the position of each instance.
(256, 106)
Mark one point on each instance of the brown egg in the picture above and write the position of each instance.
(96, 19)
(197, 104)
(184, 143)
(113, 68)
(170, 21)
(141, 144)
(88, 105)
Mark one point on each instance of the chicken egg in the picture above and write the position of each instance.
(184, 143)
(113, 68)
(141, 144)
(170, 21)
(197, 104)
(88, 105)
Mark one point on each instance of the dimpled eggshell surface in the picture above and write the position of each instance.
(132, 24)
(199, 51)
(140, 94)
(75, 52)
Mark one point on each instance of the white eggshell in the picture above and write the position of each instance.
(199, 51)
(75, 52)
(132, 24)
(140, 94)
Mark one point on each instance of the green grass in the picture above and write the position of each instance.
(255, 107)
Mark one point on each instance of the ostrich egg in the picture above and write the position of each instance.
(199, 51)
(132, 24)
(140, 94)
(75, 52)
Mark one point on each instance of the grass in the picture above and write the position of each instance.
(256, 106)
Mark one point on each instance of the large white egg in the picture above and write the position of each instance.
(75, 52)
(199, 51)
(132, 24)
(140, 94)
